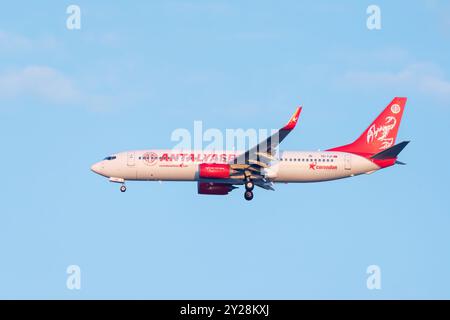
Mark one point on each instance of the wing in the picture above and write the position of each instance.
(251, 165)
(265, 184)
(265, 150)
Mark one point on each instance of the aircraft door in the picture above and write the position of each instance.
(348, 162)
(131, 159)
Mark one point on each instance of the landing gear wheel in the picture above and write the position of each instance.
(248, 195)
(123, 189)
(249, 185)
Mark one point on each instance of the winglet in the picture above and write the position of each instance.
(294, 119)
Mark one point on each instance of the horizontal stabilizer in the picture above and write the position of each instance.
(392, 152)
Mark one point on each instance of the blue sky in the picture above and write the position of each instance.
(135, 72)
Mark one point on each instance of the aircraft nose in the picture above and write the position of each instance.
(97, 168)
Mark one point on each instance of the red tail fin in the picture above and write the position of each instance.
(381, 134)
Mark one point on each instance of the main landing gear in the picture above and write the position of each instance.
(249, 185)
(123, 188)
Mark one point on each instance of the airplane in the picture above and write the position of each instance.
(219, 173)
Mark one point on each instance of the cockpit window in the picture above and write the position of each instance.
(110, 158)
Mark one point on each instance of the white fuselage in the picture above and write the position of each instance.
(289, 166)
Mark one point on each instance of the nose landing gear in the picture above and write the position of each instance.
(123, 188)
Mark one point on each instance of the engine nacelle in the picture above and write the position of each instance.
(214, 188)
(214, 171)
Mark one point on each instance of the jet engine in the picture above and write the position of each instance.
(214, 188)
(214, 171)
